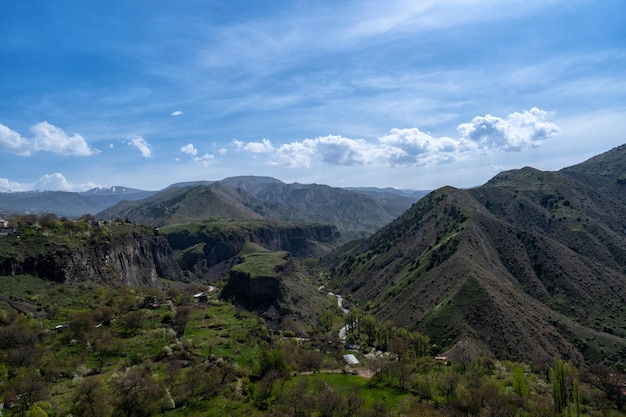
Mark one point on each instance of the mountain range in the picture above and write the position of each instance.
(356, 213)
(65, 203)
(529, 266)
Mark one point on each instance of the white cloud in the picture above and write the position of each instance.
(141, 145)
(48, 138)
(418, 148)
(48, 182)
(177, 113)
(255, 147)
(189, 149)
(13, 142)
(57, 181)
(8, 185)
(517, 131)
(239, 145)
(53, 139)
(259, 147)
(412, 147)
(203, 160)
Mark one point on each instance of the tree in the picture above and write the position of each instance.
(90, 399)
(498, 403)
(136, 393)
(327, 318)
(102, 346)
(560, 387)
(82, 324)
(401, 372)
(29, 388)
(295, 398)
(353, 400)
(446, 384)
(329, 403)
(132, 322)
(520, 387)
(377, 366)
(273, 360)
(36, 411)
(368, 326)
(181, 318)
(610, 382)
(104, 315)
(309, 360)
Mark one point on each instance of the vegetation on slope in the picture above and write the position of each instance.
(89, 350)
(540, 248)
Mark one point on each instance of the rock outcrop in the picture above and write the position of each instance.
(203, 246)
(135, 257)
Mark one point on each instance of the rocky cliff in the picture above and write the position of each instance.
(201, 246)
(114, 255)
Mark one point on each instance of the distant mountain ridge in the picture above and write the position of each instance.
(529, 266)
(65, 203)
(355, 214)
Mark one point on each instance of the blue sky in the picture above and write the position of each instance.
(406, 94)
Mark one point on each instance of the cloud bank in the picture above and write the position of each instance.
(412, 147)
(48, 182)
(47, 138)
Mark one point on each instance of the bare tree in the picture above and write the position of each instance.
(90, 399)
(329, 403)
(137, 393)
(611, 383)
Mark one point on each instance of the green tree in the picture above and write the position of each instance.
(132, 322)
(327, 318)
(520, 386)
(273, 360)
(560, 389)
(36, 411)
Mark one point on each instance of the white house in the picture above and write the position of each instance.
(4, 223)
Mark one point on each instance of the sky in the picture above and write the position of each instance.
(397, 93)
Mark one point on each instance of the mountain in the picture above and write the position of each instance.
(529, 266)
(70, 204)
(355, 214)
(185, 204)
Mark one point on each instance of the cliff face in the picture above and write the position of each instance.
(136, 260)
(134, 257)
(254, 294)
(199, 247)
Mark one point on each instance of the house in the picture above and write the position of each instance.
(350, 359)
(201, 297)
(4, 224)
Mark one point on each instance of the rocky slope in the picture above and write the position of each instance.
(199, 247)
(529, 266)
(276, 286)
(116, 255)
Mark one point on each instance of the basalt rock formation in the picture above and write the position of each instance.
(114, 255)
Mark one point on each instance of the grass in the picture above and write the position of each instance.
(262, 264)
